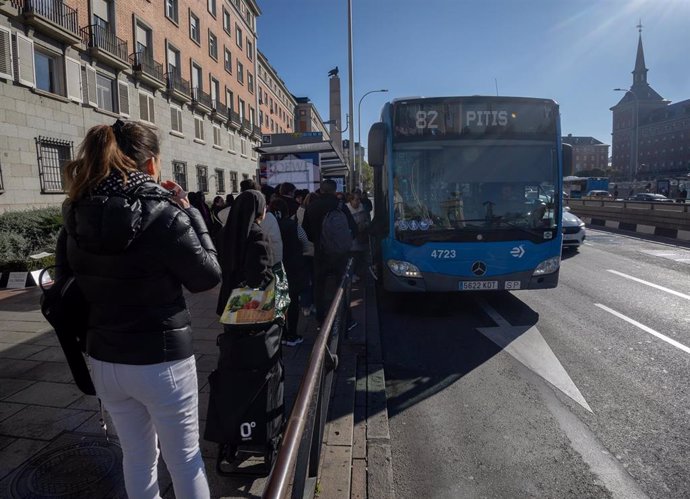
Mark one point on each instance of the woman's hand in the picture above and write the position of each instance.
(179, 194)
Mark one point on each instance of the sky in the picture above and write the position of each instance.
(575, 52)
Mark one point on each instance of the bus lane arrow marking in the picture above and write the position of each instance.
(526, 345)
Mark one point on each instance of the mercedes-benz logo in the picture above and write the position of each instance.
(479, 268)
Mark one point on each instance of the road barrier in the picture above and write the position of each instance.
(660, 219)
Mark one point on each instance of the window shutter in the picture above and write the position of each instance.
(152, 113)
(73, 74)
(25, 61)
(90, 88)
(123, 94)
(6, 69)
(174, 124)
(143, 107)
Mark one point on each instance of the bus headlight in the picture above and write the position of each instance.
(548, 266)
(403, 269)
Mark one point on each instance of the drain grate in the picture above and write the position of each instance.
(74, 466)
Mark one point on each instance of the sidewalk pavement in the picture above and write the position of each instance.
(51, 442)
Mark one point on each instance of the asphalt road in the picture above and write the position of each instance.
(579, 391)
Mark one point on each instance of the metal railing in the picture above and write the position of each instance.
(256, 132)
(235, 117)
(177, 83)
(297, 464)
(246, 125)
(146, 64)
(96, 36)
(54, 10)
(220, 108)
(201, 97)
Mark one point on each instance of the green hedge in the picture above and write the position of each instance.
(24, 233)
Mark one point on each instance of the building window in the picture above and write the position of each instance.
(250, 82)
(212, 45)
(231, 147)
(105, 92)
(240, 108)
(233, 182)
(216, 136)
(252, 116)
(229, 99)
(146, 107)
(171, 10)
(194, 28)
(180, 174)
(212, 7)
(48, 72)
(176, 119)
(202, 178)
(240, 72)
(226, 21)
(227, 60)
(220, 181)
(243, 147)
(198, 127)
(52, 155)
(250, 50)
(173, 61)
(238, 36)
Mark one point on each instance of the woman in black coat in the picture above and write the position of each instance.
(295, 265)
(245, 252)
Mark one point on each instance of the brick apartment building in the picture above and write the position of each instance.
(276, 103)
(588, 153)
(185, 68)
(651, 136)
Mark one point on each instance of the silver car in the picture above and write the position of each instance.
(573, 230)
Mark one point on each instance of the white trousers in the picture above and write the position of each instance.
(145, 403)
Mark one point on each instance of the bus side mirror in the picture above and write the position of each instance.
(377, 144)
(567, 159)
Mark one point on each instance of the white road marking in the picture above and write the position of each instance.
(677, 255)
(647, 283)
(649, 330)
(528, 346)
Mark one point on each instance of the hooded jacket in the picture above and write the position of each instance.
(131, 252)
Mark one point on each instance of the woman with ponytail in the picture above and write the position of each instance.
(132, 245)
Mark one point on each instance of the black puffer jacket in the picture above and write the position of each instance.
(131, 254)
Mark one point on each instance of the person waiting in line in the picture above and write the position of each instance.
(360, 244)
(198, 200)
(132, 245)
(216, 223)
(295, 265)
(306, 298)
(225, 212)
(287, 194)
(246, 255)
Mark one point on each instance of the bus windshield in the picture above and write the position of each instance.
(441, 186)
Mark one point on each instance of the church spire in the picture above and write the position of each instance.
(640, 72)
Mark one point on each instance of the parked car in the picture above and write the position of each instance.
(573, 230)
(650, 197)
(598, 195)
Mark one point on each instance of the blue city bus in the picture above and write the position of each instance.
(468, 193)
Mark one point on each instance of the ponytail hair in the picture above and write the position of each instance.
(123, 148)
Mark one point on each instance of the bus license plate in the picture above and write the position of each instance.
(478, 285)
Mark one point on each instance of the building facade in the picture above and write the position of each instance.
(651, 136)
(185, 68)
(276, 103)
(588, 153)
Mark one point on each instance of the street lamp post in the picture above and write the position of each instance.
(637, 127)
(358, 168)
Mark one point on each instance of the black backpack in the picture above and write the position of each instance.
(336, 237)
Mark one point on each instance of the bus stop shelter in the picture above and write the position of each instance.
(301, 158)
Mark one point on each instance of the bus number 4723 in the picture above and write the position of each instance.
(443, 254)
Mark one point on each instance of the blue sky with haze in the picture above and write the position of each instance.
(572, 51)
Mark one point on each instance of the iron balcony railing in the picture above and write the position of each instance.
(235, 117)
(95, 36)
(246, 125)
(297, 464)
(143, 62)
(256, 132)
(53, 10)
(176, 83)
(202, 98)
(220, 108)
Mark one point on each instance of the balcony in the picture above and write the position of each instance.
(178, 88)
(235, 120)
(105, 46)
(53, 18)
(246, 126)
(220, 111)
(201, 100)
(147, 70)
(256, 132)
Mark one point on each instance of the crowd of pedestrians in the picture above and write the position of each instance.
(133, 242)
